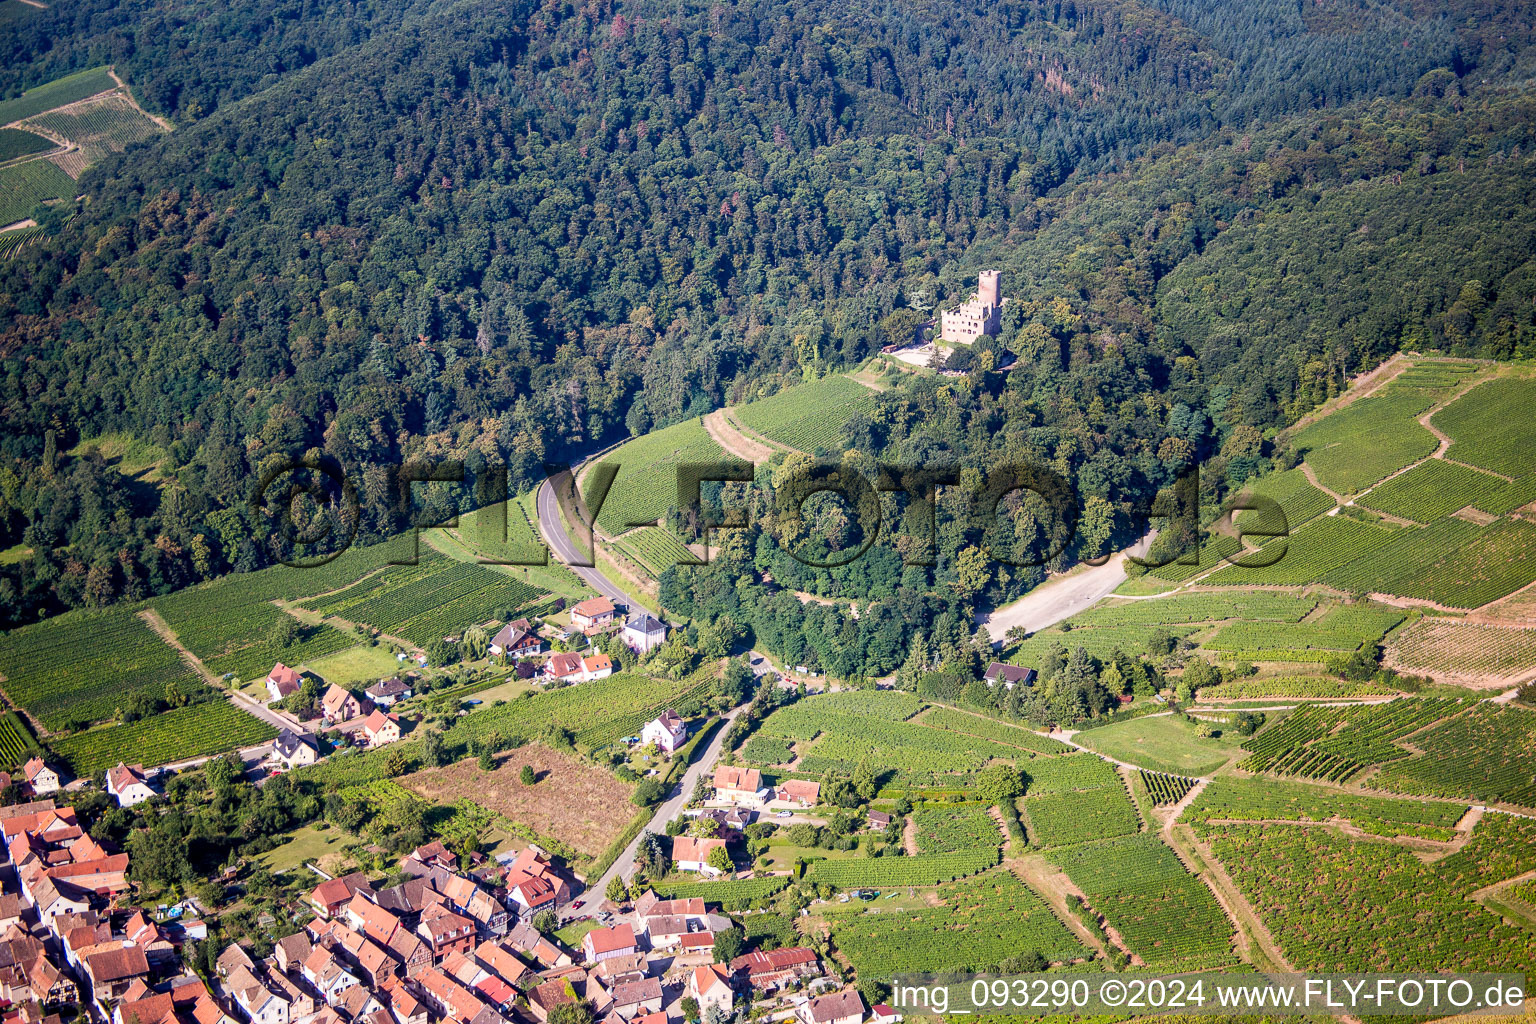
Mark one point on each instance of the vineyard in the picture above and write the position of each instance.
(991, 729)
(1238, 799)
(14, 143)
(1073, 772)
(1065, 819)
(1342, 628)
(1435, 375)
(421, 603)
(83, 666)
(1299, 502)
(1213, 552)
(1488, 753)
(1491, 426)
(656, 549)
(732, 892)
(598, 713)
(878, 872)
(1449, 646)
(1166, 790)
(1099, 642)
(984, 921)
(952, 828)
(1337, 743)
(1293, 686)
(1356, 446)
(237, 637)
(1433, 490)
(1335, 904)
(10, 241)
(1311, 552)
(767, 750)
(1498, 560)
(1164, 914)
(808, 417)
(23, 186)
(1259, 606)
(646, 484)
(56, 93)
(107, 124)
(211, 727)
(16, 743)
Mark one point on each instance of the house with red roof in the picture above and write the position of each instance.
(690, 854)
(593, 614)
(379, 729)
(283, 681)
(710, 985)
(128, 784)
(602, 943)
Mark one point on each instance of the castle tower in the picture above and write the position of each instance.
(989, 288)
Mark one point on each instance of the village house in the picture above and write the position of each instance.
(339, 705)
(41, 779)
(293, 749)
(324, 972)
(525, 939)
(563, 665)
(689, 854)
(128, 784)
(775, 968)
(878, 820)
(380, 728)
(331, 896)
(882, 1013)
(290, 951)
(257, 1003)
(739, 785)
(643, 632)
(843, 1007)
(502, 962)
(445, 931)
(633, 999)
(531, 862)
(798, 793)
(668, 731)
(596, 666)
(1009, 675)
(516, 640)
(601, 943)
(283, 681)
(111, 971)
(710, 985)
(592, 615)
(386, 692)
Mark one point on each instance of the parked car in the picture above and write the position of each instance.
(786, 814)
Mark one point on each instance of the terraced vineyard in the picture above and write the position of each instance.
(984, 921)
(952, 828)
(1488, 753)
(1432, 490)
(23, 186)
(1163, 913)
(1435, 375)
(1337, 743)
(1491, 426)
(10, 241)
(1450, 646)
(1252, 799)
(56, 93)
(646, 484)
(1397, 556)
(83, 666)
(1497, 561)
(211, 727)
(883, 872)
(1166, 790)
(1311, 553)
(1072, 772)
(1299, 502)
(1335, 904)
(807, 417)
(656, 548)
(1359, 444)
(15, 142)
(108, 124)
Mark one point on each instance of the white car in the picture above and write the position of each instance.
(786, 814)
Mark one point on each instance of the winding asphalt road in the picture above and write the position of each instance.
(555, 536)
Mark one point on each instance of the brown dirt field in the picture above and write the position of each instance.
(581, 803)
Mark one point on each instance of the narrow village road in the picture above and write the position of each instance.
(624, 866)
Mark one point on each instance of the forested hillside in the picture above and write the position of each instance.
(513, 234)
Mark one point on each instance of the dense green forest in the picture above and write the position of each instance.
(386, 230)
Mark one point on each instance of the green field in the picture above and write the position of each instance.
(1164, 743)
(1066, 819)
(14, 143)
(950, 828)
(1358, 445)
(1299, 502)
(360, 664)
(436, 598)
(306, 846)
(807, 417)
(208, 728)
(23, 186)
(83, 666)
(56, 93)
(646, 484)
(1491, 426)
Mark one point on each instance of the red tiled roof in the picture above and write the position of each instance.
(608, 940)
